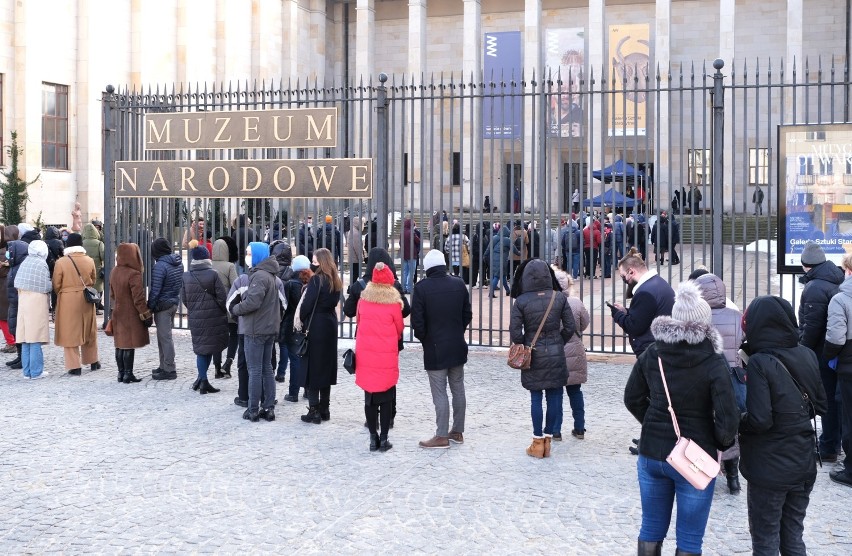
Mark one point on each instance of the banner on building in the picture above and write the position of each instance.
(502, 107)
(565, 66)
(814, 174)
(630, 58)
(342, 178)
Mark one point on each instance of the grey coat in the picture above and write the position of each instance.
(262, 303)
(548, 368)
(838, 334)
(727, 321)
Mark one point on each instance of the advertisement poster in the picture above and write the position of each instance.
(630, 56)
(503, 63)
(565, 63)
(815, 192)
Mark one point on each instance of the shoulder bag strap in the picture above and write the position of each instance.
(213, 295)
(669, 399)
(78, 271)
(543, 319)
(307, 327)
(805, 397)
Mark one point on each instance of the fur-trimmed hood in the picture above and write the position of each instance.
(383, 294)
(670, 331)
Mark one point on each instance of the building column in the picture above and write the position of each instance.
(533, 68)
(416, 38)
(471, 73)
(365, 19)
(727, 52)
(318, 41)
(795, 57)
(596, 120)
(663, 183)
(87, 140)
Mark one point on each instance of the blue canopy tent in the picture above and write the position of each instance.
(618, 171)
(610, 198)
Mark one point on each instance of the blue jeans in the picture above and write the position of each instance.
(32, 359)
(297, 379)
(578, 409)
(495, 279)
(409, 267)
(261, 378)
(659, 484)
(554, 410)
(283, 359)
(202, 363)
(575, 264)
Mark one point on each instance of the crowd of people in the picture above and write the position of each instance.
(254, 303)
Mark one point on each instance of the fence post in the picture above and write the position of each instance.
(381, 191)
(108, 101)
(718, 143)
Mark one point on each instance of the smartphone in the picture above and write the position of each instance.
(610, 305)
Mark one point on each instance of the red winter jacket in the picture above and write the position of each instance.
(592, 236)
(380, 326)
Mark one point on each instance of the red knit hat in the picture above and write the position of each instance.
(382, 274)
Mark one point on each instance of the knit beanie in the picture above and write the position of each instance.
(328, 219)
(812, 254)
(74, 240)
(433, 258)
(160, 248)
(198, 252)
(300, 263)
(382, 274)
(689, 306)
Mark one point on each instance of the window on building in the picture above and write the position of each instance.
(456, 168)
(698, 163)
(826, 166)
(758, 166)
(806, 166)
(54, 126)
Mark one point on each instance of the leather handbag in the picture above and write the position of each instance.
(300, 338)
(687, 457)
(349, 360)
(520, 356)
(91, 294)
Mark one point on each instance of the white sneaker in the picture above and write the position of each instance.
(42, 375)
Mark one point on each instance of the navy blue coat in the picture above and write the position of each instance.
(821, 282)
(17, 251)
(166, 282)
(655, 298)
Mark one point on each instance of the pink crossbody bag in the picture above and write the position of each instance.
(687, 457)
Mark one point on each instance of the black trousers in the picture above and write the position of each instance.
(845, 386)
(776, 519)
(590, 261)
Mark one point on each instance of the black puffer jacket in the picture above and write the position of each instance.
(204, 296)
(55, 247)
(547, 368)
(776, 434)
(17, 251)
(166, 280)
(699, 384)
(283, 253)
(377, 254)
(821, 283)
(440, 313)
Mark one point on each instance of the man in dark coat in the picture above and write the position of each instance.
(776, 436)
(329, 237)
(652, 297)
(822, 279)
(440, 314)
(243, 235)
(163, 300)
(305, 244)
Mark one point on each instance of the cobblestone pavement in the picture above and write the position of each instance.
(91, 465)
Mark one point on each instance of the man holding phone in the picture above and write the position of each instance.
(652, 297)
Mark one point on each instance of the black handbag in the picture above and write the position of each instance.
(300, 339)
(349, 360)
(92, 295)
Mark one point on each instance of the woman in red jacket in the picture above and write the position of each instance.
(380, 326)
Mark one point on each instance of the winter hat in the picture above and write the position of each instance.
(300, 263)
(382, 274)
(812, 254)
(38, 248)
(23, 228)
(74, 240)
(160, 248)
(432, 259)
(198, 252)
(689, 306)
(328, 219)
(259, 252)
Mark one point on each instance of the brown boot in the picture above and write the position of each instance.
(536, 449)
(547, 439)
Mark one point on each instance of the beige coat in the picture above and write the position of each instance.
(75, 318)
(33, 325)
(575, 352)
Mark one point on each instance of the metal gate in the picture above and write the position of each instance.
(511, 151)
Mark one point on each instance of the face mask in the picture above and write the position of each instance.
(314, 267)
(248, 261)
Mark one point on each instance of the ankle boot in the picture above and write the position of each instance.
(536, 449)
(680, 552)
(204, 387)
(324, 413)
(219, 373)
(732, 475)
(128, 357)
(547, 439)
(648, 548)
(197, 384)
(119, 361)
(374, 442)
(17, 360)
(384, 445)
(226, 367)
(312, 416)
